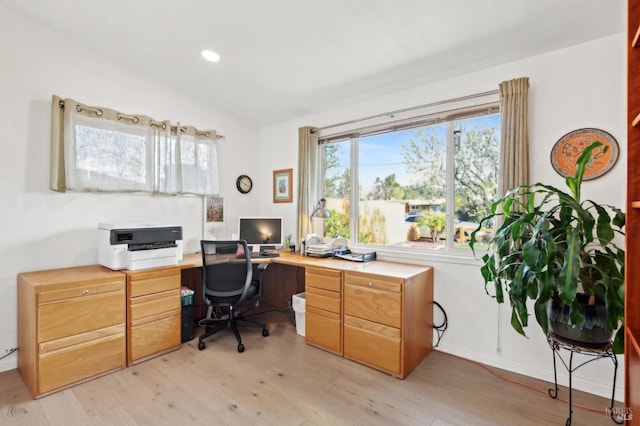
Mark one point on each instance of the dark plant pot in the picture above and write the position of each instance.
(593, 332)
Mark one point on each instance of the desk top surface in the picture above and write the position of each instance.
(377, 267)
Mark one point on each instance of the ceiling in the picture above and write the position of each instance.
(287, 58)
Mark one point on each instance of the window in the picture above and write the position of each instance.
(109, 156)
(422, 183)
(98, 149)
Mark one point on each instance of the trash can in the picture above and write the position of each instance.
(188, 323)
(298, 305)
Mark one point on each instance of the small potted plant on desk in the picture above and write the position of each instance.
(560, 252)
(287, 242)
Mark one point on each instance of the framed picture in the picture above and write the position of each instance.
(282, 186)
(214, 209)
(213, 225)
(566, 151)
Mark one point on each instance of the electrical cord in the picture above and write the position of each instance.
(9, 352)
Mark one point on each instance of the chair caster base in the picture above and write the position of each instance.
(201, 345)
(265, 332)
(240, 347)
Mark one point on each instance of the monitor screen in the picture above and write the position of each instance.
(263, 231)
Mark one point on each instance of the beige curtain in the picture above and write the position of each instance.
(308, 177)
(514, 149)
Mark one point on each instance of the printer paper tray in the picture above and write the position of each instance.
(143, 259)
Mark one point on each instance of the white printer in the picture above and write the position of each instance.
(138, 246)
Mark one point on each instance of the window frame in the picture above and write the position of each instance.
(480, 109)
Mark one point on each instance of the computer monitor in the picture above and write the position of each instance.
(263, 231)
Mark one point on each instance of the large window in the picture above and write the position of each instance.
(424, 183)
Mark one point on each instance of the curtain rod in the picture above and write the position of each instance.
(399, 111)
(136, 120)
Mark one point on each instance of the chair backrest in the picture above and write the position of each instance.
(226, 272)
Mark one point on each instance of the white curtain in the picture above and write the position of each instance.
(102, 150)
(308, 177)
(167, 164)
(187, 161)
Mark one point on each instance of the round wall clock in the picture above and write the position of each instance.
(244, 184)
(566, 151)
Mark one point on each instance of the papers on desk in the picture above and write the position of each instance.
(357, 257)
(319, 250)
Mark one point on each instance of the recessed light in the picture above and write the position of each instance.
(210, 55)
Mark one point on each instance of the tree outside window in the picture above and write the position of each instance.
(406, 178)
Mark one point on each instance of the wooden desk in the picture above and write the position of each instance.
(376, 313)
(77, 323)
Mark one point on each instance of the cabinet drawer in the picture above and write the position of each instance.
(152, 304)
(390, 284)
(141, 286)
(373, 344)
(323, 329)
(81, 291)
(323, 299)
(158, 334)
(327, 279)
(80, 362)
(80, 314)
(373, 303)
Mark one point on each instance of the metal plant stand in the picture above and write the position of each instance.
(556, 343)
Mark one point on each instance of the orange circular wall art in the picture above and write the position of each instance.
(566, 151)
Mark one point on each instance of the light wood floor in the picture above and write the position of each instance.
(279, 380)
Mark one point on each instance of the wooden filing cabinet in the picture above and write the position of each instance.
(388, 316)
(153, 313)
(323, 317)
(71, 326)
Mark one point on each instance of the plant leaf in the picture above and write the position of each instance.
(618, 341)
(515, 322)
(581, 165)
(568, 277)
(619, 218)
(540, 309)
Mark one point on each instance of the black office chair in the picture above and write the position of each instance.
(227, 282)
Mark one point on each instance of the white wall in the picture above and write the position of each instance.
(42, 229)
(581, 86)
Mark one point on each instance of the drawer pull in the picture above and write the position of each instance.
(85, 292)
(370, 284)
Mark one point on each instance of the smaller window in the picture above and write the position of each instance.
(98, 149)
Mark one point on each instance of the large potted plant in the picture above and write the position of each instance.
(562, 254)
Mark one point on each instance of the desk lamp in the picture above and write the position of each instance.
(321, 210)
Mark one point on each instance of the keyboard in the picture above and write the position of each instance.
(261, 254)
(265, 254)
